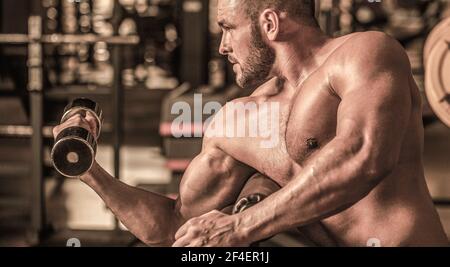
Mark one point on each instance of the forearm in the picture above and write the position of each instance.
(336, 178)
(150, 217)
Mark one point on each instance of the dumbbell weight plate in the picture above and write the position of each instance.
(434, 37)
(437, 78)
(74, 152)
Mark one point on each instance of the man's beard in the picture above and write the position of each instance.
(256, 69)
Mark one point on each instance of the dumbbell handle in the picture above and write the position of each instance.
(83, 106)
(83, 111)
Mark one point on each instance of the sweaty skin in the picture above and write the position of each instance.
(349, 156)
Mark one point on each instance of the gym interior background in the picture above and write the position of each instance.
(135, 58)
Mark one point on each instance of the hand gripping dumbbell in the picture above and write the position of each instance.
(75, 147)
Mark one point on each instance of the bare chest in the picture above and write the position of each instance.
(289, 131)
(312, 123)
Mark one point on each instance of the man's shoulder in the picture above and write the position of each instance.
(368, 49)
(369, 38)
(363, 57)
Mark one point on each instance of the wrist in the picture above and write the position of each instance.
(245, 229)
(89, 176)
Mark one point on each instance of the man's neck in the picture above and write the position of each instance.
(296, 60)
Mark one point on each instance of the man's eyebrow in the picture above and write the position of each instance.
(224, 24)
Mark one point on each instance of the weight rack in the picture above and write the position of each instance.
(36, 91)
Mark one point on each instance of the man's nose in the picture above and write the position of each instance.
(224, 48)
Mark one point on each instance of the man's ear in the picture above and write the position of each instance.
(270, 22)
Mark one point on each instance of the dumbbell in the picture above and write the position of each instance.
(75, 147)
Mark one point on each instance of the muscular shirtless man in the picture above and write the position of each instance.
(349, 156)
